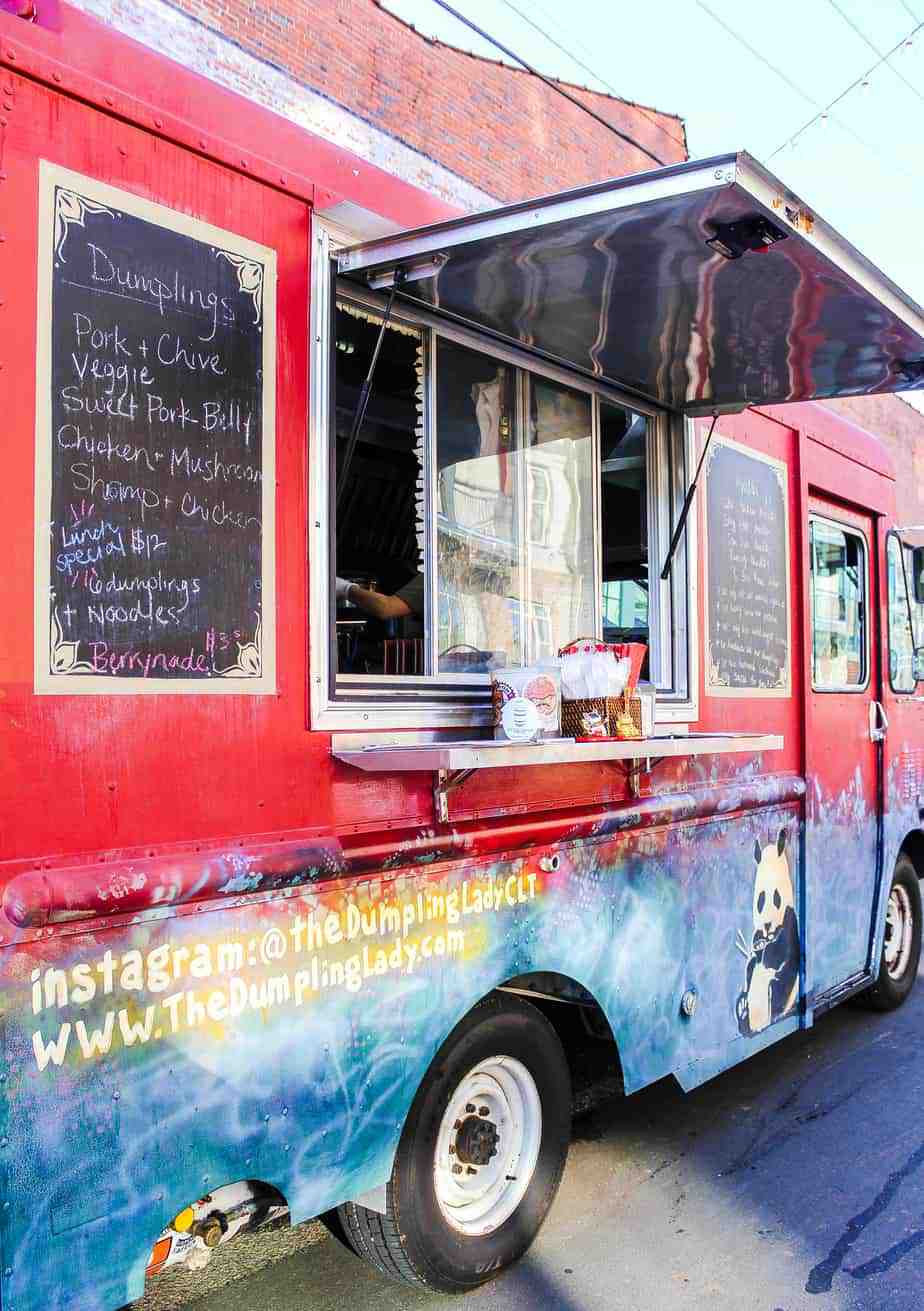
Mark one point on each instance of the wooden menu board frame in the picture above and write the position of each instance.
(714, 685)
(246, 662)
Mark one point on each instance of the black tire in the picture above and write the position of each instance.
(414, 1242)
(891, 989)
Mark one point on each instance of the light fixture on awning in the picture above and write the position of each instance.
(700, 287)
(752, 233)
(410, 271)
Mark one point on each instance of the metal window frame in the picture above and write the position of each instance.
(853, 689)
(893, 536)
(436, 701)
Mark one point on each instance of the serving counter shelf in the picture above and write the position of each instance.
(452, 762)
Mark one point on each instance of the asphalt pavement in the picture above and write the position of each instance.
(793, 1183)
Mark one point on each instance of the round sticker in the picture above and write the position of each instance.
(520, 719)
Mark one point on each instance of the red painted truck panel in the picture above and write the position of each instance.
(323, 932)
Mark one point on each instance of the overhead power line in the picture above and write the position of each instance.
(736, 36)
(875, 49)
(822, 111)
(569, 53)
(862, 80)
(549, 82)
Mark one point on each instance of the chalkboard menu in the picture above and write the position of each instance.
(154, 456)
(747, 606)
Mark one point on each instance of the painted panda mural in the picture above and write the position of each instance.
(774, 954)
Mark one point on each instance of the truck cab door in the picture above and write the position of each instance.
(845, 724)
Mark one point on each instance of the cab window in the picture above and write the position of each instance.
(903, 611)
(839, 607)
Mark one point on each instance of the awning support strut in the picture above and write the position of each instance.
(687, 503)
(366, 390)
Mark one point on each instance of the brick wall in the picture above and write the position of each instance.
(900, 428)
(499, 129)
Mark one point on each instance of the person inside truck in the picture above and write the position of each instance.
(409, 600)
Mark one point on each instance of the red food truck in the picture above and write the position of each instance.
(284, 928)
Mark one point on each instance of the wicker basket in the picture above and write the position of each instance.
(573, 712)
(615, 711)
(610, 709)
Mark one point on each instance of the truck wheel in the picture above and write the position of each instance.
(901, 947)
(481, 1155)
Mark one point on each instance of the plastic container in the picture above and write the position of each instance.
(527, 703)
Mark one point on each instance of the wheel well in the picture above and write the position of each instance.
(579, 1021)
(913, 846)
(261, 1201)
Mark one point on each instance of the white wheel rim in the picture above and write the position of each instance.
(899, 931)
(495, 1106)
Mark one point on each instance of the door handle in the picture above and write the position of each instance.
(878, 722)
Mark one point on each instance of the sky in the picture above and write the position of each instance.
(751, 77)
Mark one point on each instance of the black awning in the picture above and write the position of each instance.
(700, 286)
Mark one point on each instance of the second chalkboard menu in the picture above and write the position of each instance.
(155, 482)
(747, 604)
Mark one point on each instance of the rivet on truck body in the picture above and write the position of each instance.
(688, 1003)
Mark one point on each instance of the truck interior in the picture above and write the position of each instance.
(379, 515)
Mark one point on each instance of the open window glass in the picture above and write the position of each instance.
(479, 570)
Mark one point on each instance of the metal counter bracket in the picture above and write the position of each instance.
(444, 782)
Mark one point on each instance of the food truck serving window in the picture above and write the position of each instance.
(488, 511)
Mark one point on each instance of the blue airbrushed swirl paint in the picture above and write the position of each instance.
(99, 1152)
